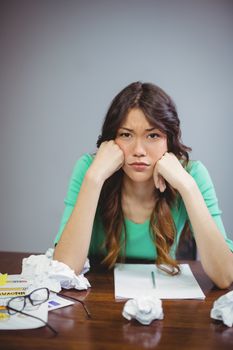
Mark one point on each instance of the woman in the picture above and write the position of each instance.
(135, 195)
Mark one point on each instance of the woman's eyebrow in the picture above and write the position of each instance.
(151, 129)
(131, 130)
(122, 127)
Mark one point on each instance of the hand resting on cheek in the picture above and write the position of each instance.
(169, 168)
(108, 160)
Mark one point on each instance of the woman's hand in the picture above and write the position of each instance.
(109, 158)
(170, 169)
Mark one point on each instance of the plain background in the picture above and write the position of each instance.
(62, 62)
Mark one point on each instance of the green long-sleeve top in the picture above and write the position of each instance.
(139, 243)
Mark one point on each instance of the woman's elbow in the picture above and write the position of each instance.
(224, 282)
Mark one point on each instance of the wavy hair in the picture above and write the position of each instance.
(160, 111)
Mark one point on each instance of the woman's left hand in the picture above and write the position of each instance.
(170, 169)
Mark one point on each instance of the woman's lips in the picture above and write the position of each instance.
(139, 166)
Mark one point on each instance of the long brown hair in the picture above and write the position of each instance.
(161, 112)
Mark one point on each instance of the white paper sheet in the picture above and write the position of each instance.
(135, 280)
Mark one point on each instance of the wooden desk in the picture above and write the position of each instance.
(187, 324)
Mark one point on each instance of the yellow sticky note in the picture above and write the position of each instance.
(3, 278)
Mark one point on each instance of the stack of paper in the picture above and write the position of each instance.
(16, 286)
(137, 280)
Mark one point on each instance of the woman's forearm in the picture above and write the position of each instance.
(72, 248)
(216, 257)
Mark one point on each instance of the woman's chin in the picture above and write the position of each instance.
(139, 177)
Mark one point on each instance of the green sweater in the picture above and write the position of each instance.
(139, 243)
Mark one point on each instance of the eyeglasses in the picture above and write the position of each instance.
(30, 302)
(36, 298)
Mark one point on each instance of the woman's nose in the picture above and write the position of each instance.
(139, 149)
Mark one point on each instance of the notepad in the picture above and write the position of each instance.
(135, 280)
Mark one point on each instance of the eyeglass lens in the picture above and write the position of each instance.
(39, 296)
(16, 304)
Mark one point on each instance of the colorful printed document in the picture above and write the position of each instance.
(12, 286)
(137, 280)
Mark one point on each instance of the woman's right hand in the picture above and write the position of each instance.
(109, 158)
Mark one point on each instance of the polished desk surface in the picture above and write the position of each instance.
(186, 325)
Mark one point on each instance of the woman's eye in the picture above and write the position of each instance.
(125, 135)
(153, 136)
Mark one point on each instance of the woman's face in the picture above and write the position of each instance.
(143, 145)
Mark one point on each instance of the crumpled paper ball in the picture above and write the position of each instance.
(143, 309)
(223, 309)
(42, 270)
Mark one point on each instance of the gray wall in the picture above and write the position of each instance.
(61, 64)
